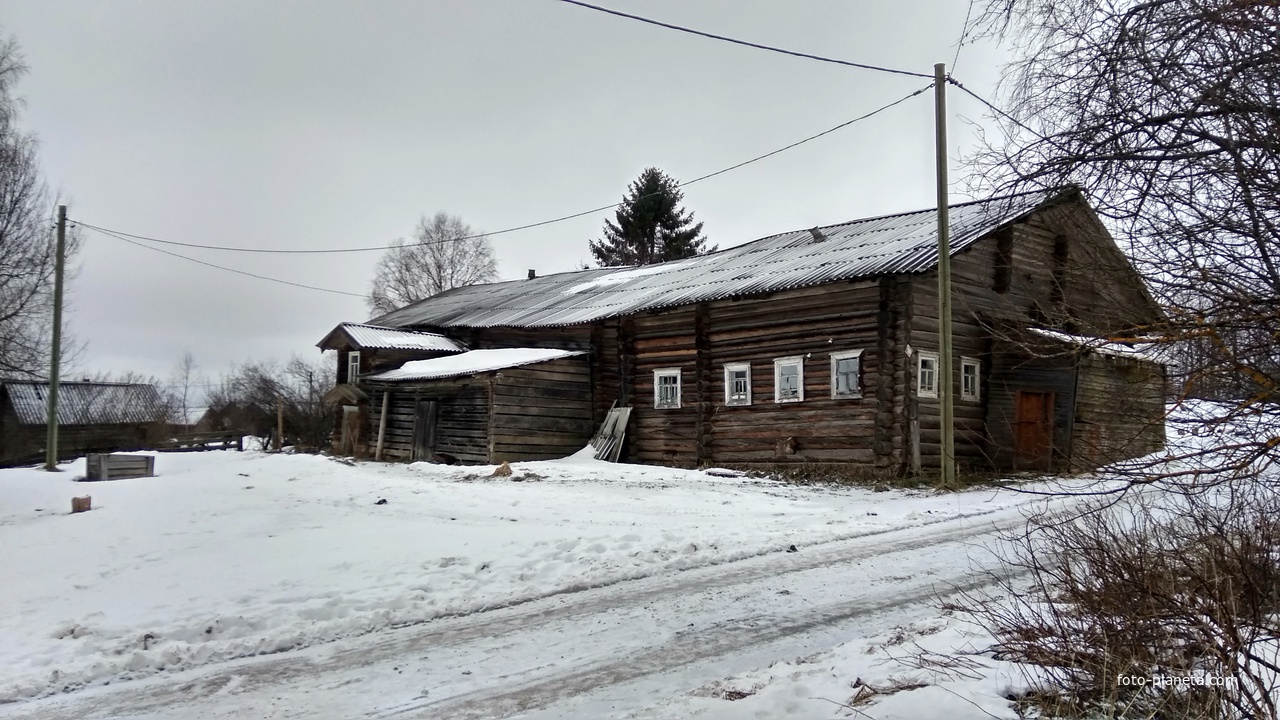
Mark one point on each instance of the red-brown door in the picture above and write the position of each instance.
(1033, 430)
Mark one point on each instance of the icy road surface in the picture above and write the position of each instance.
(628, 648)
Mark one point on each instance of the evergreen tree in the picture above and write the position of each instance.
(650, 226)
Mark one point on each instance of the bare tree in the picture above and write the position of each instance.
(445, 253)
(27, 249)
(1166, 112)
(246, 400)
(1162, 606)
(182, 387)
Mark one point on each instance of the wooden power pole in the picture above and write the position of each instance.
(51, 437)
(945, 399)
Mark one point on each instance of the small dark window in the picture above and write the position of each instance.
(1004, 260)
(1057, 293)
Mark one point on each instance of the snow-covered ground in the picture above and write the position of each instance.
(231, 555)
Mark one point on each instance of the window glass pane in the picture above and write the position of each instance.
(969, 379)
(788, 381)
(668, 389)
(928, 370)
(738, 385)
(847, 376)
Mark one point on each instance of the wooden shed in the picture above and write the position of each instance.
(92, 417)
(364, 350)
(821, 345)
(483, 406)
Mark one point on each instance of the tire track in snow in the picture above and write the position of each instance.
(494, 630)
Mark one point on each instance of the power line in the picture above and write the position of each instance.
(120, 234)
(735, 41)
(997, 110)
(219, 267)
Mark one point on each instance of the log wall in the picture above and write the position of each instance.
(542, 411)
(1056, 268)
(1119, 411)
(462, 420)
(813, 323)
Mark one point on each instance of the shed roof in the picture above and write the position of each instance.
(903, 243)
(471, 363)
(85, 403)
(362, 335)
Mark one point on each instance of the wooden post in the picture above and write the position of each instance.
(51, 434)
(945, 400)
(279, 423)
(382, 424)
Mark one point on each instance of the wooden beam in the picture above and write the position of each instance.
(382, 423)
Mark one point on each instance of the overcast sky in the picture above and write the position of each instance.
(337, 124)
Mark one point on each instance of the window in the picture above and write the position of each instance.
(666, 388)
(353, 366)
(788, 379)
(970, 379)
(927, 374)
(846, 374)
(737, 384)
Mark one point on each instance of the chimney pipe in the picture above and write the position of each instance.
(532, 273)
(817, 235)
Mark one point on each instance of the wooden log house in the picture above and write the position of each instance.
(818, 346)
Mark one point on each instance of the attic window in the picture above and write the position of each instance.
(1004, 261)
(353, 366)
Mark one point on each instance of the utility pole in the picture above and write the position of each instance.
(51, 438)
(945, 399)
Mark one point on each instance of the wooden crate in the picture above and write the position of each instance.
(102, 466)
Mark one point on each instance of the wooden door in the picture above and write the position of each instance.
(424, 429)
(350, 428)
(1033, 430)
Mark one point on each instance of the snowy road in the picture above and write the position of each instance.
(621, 649)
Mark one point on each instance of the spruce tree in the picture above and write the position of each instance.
(650, 226)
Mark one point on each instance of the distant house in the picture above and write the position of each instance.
(815, 345)
(92, 417)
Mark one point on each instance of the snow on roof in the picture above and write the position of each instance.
(471, 363)
(1136, 350)
(85, 403)
(903, 243)
(385, 338)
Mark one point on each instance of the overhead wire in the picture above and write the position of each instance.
(320, 251)
(219, 267)
(735, 41)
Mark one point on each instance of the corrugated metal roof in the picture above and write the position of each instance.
(385, 338)
(85, 403)
(471, 363)
(904, 243)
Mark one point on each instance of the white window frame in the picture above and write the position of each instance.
(836, 357)
(353, 366)
(729, 369)
(976, 364)
(921, 390)
(657, 387)
(778, 363)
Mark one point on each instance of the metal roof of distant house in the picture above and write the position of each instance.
(471, 363)
(385, 338)
(904, 243)
(85, 403)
